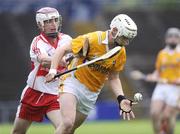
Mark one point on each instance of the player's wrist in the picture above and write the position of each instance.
(123, 107)
(53, 71)
(120, 98)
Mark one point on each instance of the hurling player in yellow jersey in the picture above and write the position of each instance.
(80, 90)
(167, 92)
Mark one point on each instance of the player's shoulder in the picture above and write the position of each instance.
(64, 36)
(36, 39)
(96, 33)
(95, 36)
(39, 40)
(178, 48)
(164, 50)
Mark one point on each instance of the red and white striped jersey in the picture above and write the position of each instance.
(36, 78)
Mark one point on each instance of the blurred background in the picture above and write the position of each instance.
(18, 28)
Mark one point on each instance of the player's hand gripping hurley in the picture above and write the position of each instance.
(108, 55)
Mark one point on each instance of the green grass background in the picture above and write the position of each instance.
(108, 127)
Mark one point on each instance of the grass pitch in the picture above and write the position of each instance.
(109, 127)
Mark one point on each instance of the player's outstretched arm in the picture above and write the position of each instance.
(153, 77)
(124, 104)
(57, 57)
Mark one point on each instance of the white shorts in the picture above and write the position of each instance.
(86, 99)
(168, 93)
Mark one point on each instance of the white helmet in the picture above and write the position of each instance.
(47, 13)
(125, 26)
(173, 31)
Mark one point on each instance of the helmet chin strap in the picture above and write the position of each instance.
(172, 46)
(52, 35)
(116, 44)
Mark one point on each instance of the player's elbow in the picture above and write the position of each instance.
(45, 64)
(44, 60)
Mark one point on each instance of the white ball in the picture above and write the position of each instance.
(138, 97)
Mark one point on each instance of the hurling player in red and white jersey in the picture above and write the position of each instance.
(39, 98)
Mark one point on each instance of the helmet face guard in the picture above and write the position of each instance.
(172, 37)
(125, 26)
(46, 14)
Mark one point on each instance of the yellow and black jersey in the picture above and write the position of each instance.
(94, 75)
(168, 64)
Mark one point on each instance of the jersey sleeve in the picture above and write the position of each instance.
(79, 44)
(158, 61)
(37, 48)
(121, 60)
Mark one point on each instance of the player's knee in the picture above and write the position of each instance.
(68, 124)
(154, 114)
(56, 125)
(18, 131)
(168, 114)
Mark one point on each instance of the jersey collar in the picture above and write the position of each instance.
(46, 40)
(177, 49)
(105, 41)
